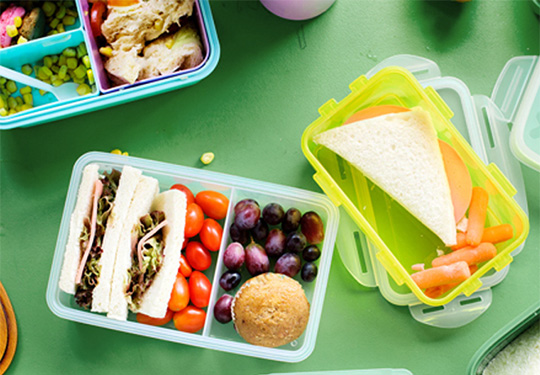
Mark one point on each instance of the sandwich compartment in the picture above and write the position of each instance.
(105, 95)
(214, 335)
(379, 241)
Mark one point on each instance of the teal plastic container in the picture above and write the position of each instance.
(47, 108)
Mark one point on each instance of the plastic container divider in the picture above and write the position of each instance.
(213, 336)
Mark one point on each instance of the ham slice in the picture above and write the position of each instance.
(98, 189)
(146, 237)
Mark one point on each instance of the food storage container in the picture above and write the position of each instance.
(517, 94)
(482, 125)
(47, 108)
(381, 371)
(393, 238)
(502, 338)
(214, 335)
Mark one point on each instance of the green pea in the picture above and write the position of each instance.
(28, 99)
(83, 89)
(62, 72)
(47, 61)
(19, 100)
(11, 86)
(86, 61)
(25, 90)
(27, 69)
(80, 72)
(69, 52)
(68, 20)
(54, 23)
(61, 12)
(72, 63)
(49, 8)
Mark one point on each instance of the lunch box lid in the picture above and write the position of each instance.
(517, 94)
(481, 123)
(502, 338)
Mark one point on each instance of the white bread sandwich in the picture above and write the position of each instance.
(400, 153)
(149, 252)
(95, 227)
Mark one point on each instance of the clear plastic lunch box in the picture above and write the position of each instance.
(214, 334)
(502, 338)
(379, 241)
(47, 108)
(517, 94)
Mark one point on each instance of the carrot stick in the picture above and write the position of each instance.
(453, 273)
(495, 234)
(498, 233)
(470, 255)
(461, 241)
(477, 216)
(437, 291)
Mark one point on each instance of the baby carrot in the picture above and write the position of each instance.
(453, 273)
(437, 291)
(477, 216)
(495, 234)
(470, 255)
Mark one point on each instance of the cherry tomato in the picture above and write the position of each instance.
(191, 319)
(213, 204)
(194, 220)
(180, 294)
(96, 17)
(210, 234)
(198, 256)
(189, 195)
(199, 289)
(145, 319)
(185, 268)
(184, 244)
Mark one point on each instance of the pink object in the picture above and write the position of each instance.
(297, 9)
(7, 18)
(418, 267)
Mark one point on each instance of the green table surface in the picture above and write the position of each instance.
(251, 111)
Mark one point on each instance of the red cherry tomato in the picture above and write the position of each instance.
(185, 268)
(184, 244)
(189, 195)
(199, 289)
(191, 319)
(210, 234)
(145, 319)
(213, 204)
(96, 17)
(198, 256)
(194, 220)
(180, 294)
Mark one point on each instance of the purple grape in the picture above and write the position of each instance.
(256, 259)
(260, 232)
(291, 221)
(295, 242)
(238, 235)
(275, 243)
(311, 253)
(230, 280)
(247, 214)
(234, 256)
(223, 309)
(273, 213)
(288, 264)
(312, 227)
(309, 272)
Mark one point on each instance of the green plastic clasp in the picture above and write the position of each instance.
(358, 84)
(327, 107)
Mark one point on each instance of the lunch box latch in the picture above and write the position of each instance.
(358, 84)
(327, 107)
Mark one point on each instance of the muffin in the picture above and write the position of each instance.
(270, 310)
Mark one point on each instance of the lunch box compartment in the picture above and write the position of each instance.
(394, 237)
(214, 335)
(105, 84)
(104, 96)
(34, 52)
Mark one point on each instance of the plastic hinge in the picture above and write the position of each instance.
(439, 103)
(327, 185)
(503, 262)
(327, 107)
(502, 180)
(472, 287)
(358, 84)
(387, 264)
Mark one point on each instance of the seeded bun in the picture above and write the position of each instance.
(270, 310)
